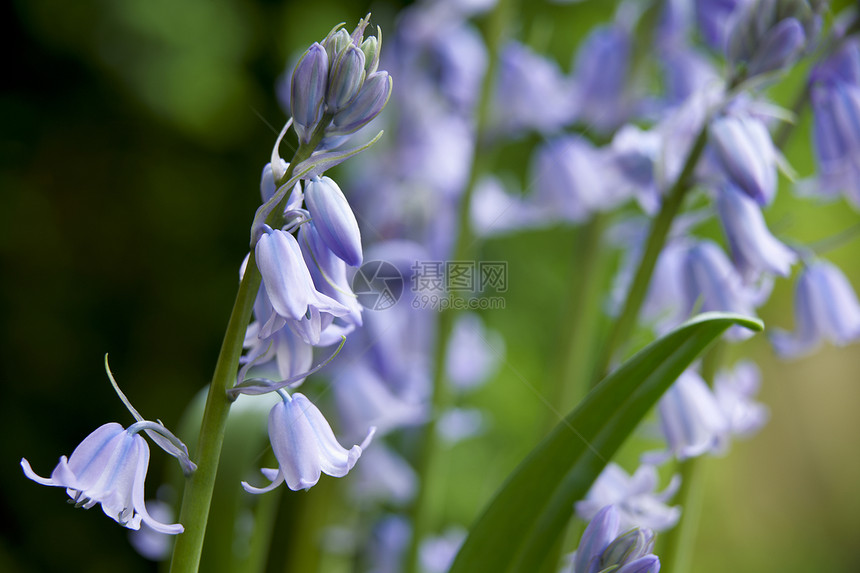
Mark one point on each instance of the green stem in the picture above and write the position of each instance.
(624, 325)
(679, 542)
(583, 314)
(198, 490)
(463, 249)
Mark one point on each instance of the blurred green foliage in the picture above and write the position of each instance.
(133, 135)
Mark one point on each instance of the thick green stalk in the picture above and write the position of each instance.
(626, 322)
(463, 249)
(583, 316)
(198, 490)
(679, 542)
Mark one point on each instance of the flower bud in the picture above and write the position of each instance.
(369, 103)
(334, 219)
(308, 90)
(346, 78)
(746, 154)
(371, 48)
(627, 548)
(770, 34)
(336, 42)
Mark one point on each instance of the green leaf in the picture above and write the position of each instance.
(519, 526)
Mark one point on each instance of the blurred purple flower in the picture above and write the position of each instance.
(600, 76)
(825, 308)
(754, 249)
(601, 548)
(735, 390)
(744, 151)
(635, 498)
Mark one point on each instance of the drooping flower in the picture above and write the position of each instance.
(835, 98)
(754, 249)
(108, 468)
(691, 420)
(745, 152)
(711, 283)
(600, 76)
(288, 282)
(602, 549)
(333, 219)
(305, 446)
(735, 390)
(825, 308)
(635, 498)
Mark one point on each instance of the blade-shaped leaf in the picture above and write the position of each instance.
(519, 526)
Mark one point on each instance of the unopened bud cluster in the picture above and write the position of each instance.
(337, 86)
(770, 35)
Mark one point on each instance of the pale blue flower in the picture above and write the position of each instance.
(329, 273)
(835, 97)
(635, 497)
(305, 446)
(734, 390)
(108, 468)
(532, 93)
(691, 420)
(363, 399)
(711, 283)
(365, 106)
(384, 476)
(600, 76)
(345, 78)
(474, 352)
(437, 553)
(334, 220)
(825, 308)
(570, 179)
(288, 282)
(745, 152)
(754, 249)
(603, 549)
(307, 91)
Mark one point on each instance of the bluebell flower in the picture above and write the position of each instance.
(531, 93)
(635, 497)
(384, 477)
(825, 308)
(284, 349)
(570, 181)
(345, 78)
(835, 97)
(288, 282)
(365, 106)
(600, 74)
(108, 468)
(711, 283)
(496, 211)
(734, 390)
(363, 399)
(329, 275)
(691, 420)
(745, 152)
(474, 352)
(602, 548)
(308, 90)
(305, 446)
(334, 219)
(767, 35)
(437, 553)
(754, 249)
(715, 18)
